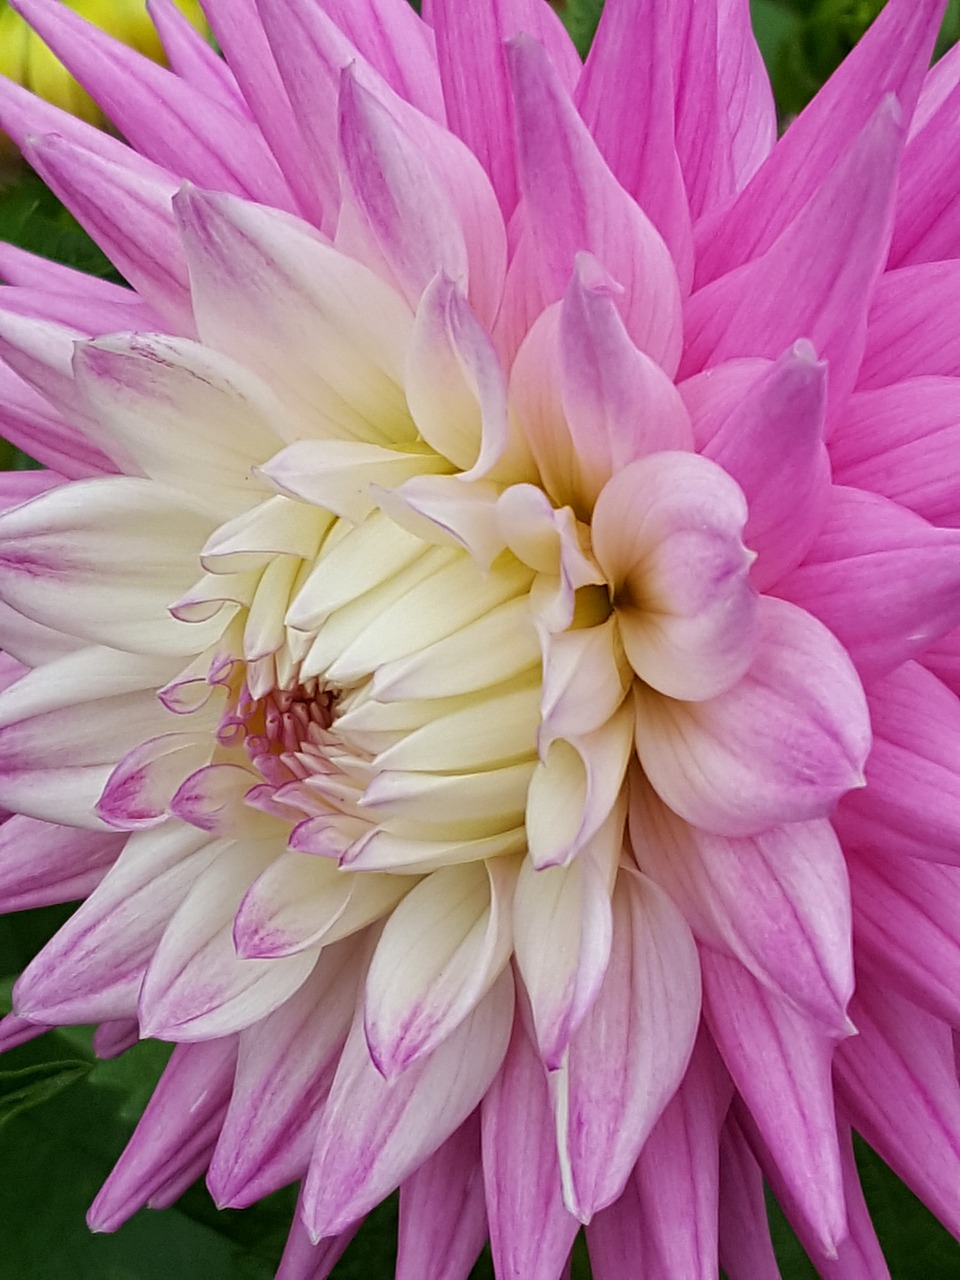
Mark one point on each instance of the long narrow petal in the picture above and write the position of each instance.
(892, 58)
(180, 1123)
(574, 203)
(531, 1231)
(907, 337)
(41, 863)
(285, 1068)
(816, 279)
(374, 1132)
(882, 579)
(193, 59)
(443, 1214)
(627, 1058)
(746, 1250)
(791, 1100)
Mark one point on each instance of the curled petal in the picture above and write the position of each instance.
(781, 746)
(667, 534)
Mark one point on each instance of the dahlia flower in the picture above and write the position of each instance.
(24, 57)
(485, 646)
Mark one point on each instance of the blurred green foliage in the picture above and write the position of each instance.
(65, 1116)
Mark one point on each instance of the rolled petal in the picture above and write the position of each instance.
(531, 1230)
(285, 1068)
(791, 1100)
(441, 950)
(781, 746)
(574, 203)
(667, 534)
(746, 1250)
(42, 863)
(627, 1057)
(179, 1125)
(375, 1132)
(443, 1214)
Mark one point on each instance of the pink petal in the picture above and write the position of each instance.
(892, 58)
(92, 968)
(911, 803)
(419, 200)
(531, 1231)
(907, 336)
(791, 1099)
(780, 746)
(773, 447)
(746, 1250)
(626, 99)
(667, 535)
(816, 279)
(239, 33)
(305, 1260)
(16, 1031)
(573, 203)
(778, 901)
(374, 1133)
(196, 986)
(443, 1215)
(41, 863)
(882, 579)
(906, 915)
(111, 1039)
(626, 1059)
(125, 208)
(164, 117)
(179, 1125)
(471, 52)
(285, 1068)
(898, 441)
(193, 59)
(139, 790)
(926, 227)
(28, 421)
(897, 1081)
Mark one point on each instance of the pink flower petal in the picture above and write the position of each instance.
(285, 1068)
(791, 1099)
(573, 203)
(778, 901)
(746, 1250)
(907, 337)
(164, 117)
(375, 1132)
(667, 534)
(179, 1125)
(470, 53)
(29, 422)
(897, 1078)
(92, 968)
(892, 58)
(816, 279)
(418, 200)
(193, 59)
(139, 790)
(443, 1215)
(628, 1056)
(531, 1231)
(305, 1260)
(41, 863)
(882, 579)
(926, 227)
(626, 98)
(781, 746)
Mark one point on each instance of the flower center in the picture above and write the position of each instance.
(285, 732)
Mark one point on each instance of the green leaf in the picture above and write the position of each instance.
(580, 17)
(31, 1086)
